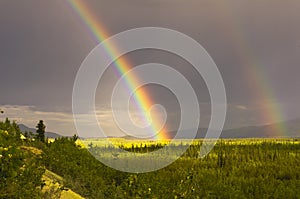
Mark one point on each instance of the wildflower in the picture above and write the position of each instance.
(9, 155)
(22, 137)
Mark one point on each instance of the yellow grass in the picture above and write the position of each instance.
(53, 185)
(32, 150)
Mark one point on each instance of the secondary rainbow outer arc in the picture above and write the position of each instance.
(259, 80)
(141, 97)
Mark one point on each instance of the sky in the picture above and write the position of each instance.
(255, 45)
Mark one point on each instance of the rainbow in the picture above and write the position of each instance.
(256, 76)
(98, 31)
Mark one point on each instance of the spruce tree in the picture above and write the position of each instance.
(41, 131)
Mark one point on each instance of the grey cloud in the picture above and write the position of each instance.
(42, 44)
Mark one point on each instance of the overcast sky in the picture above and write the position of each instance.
(254, 43)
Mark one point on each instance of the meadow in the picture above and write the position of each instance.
(235, 168)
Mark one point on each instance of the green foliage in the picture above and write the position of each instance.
(41, 131)
(233, 169)
(81, 171)
(20, 169)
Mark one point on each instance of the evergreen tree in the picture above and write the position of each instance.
(41, 131)
(75, 138)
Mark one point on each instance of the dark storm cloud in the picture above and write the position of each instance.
(40, 53)
(42, 44)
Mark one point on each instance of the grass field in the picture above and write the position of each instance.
(235, 168)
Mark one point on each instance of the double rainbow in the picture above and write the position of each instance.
(256, 75)
(141, 98)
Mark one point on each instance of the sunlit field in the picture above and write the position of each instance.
(128, 143)
(235, 168)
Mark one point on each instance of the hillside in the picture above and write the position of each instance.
(54, 185)
(24, 128)
(288, 129)
(23, 168)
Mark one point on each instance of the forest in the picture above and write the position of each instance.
(235, 168)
